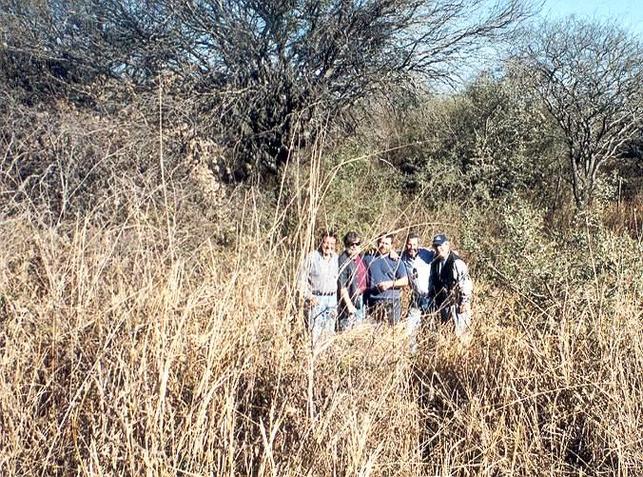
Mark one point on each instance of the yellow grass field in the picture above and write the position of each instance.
(136, 349)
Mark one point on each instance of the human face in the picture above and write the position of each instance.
(443, 250)
(328, 246)
(353, 248)
(384, 245)
(411, 247)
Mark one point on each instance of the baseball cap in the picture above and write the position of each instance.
(439, 239)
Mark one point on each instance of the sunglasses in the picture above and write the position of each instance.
(355, 244)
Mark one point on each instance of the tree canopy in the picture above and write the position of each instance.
(267, 74)
(590, 77)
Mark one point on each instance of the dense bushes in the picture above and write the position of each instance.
(484, 143)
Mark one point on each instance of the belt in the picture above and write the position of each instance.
(318, 293)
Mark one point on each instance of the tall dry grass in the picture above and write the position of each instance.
(146, 348)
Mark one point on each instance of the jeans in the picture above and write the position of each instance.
(421, 302)
(385, 310)
(413, 322)
(420, 305)
(348, 321)
(322, 317)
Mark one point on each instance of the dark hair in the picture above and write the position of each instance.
(350, 237)
(383, 236)
(413, 235)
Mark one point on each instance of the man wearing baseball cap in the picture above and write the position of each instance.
(450, 286)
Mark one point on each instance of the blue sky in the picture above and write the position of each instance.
(627, 13)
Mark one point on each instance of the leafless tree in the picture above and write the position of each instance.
(590, 77)
(266, 73)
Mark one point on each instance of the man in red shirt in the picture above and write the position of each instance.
(352, 283)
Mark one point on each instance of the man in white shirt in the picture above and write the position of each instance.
(317, 284)
(418, 268)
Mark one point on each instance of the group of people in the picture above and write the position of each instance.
(343, 291)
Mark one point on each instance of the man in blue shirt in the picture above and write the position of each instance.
(418, 267)
(386, 276)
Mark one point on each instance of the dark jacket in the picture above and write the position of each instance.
(348, 279)
(442, 284)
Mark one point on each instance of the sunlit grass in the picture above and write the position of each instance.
(119, 358)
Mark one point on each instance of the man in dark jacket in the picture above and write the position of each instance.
(352, 283)
(450, 286)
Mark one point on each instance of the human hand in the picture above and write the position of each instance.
(385, 285)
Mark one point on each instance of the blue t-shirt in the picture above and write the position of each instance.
(382, 268)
